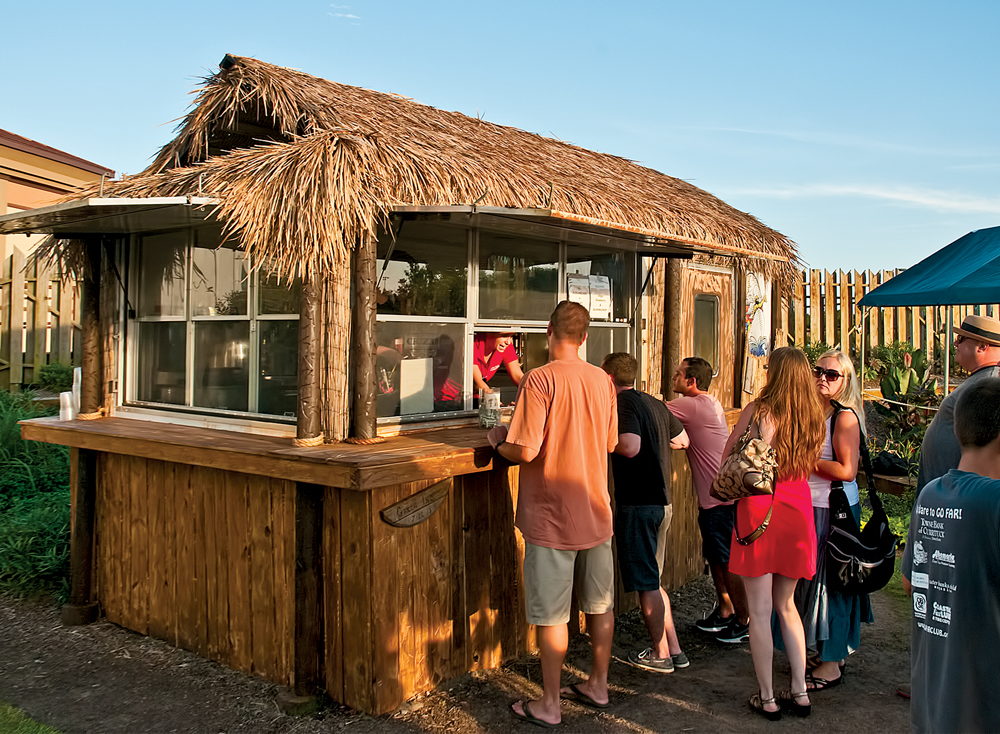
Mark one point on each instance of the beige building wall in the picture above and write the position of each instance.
(32, 175)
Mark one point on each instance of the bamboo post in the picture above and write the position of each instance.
(307, 428)
(307, 664)
(829, 309)
(846, 311)
(815, 312)
(81, 608)
(16, 320)
(363, 347)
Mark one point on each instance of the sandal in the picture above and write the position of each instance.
(528, 716)
(821, 684)
(786, 699)
(756, 704)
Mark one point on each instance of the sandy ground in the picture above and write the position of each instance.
(102, 678)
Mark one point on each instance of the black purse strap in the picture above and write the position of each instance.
(874, 502)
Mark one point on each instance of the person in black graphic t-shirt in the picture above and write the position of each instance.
(640, 465)
(952, 569)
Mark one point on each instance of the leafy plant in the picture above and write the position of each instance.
(34, 504)
(56, 377)
(813, 350)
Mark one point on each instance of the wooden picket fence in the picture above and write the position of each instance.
(39, 321)
(823, 308)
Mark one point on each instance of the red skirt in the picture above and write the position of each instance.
(788, 545)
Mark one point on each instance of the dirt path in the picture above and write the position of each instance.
(102, 678)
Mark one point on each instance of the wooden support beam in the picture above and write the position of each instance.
(673, 308)
(363, 340)
(82, 609)
(307, 663)
(91, 393)
(310, 322)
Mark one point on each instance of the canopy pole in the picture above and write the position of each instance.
(864, 318)
(947, 352)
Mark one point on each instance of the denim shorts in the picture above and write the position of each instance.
(641, 537)
(716, 525)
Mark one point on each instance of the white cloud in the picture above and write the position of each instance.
(343, 12)
(926, 198)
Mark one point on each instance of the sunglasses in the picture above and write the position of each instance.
(830, 375)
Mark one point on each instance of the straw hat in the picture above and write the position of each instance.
(983, 328)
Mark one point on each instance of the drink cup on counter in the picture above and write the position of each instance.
(67, 411)
(489, 409)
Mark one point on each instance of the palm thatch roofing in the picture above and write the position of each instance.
(304, 167)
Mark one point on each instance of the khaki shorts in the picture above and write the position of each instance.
(550, 576)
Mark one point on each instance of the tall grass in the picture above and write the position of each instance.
(34, 505)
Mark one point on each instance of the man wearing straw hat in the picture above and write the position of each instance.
(977, 344)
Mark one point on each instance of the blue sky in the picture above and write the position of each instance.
(865, 131)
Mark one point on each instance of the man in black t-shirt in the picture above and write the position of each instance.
(640, 465)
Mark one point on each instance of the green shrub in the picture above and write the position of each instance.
(14, 721)
(34, 545)
(34, 504)
(56, 377)
(814, 350)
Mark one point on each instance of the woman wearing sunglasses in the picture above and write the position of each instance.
(789, 416)
(832, 621)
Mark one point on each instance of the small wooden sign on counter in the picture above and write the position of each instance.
(417, 507)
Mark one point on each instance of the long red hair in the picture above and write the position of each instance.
(791, 402)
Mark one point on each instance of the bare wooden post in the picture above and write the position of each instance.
(673, 310)
(307, 665)
(310, 321)
(363, 341)
(81, 608)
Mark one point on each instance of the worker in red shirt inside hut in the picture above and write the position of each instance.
(489, 351)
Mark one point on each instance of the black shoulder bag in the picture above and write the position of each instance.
(858, 560)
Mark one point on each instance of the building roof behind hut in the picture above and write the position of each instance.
(297, 161)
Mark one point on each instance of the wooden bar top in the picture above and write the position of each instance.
(420, 455)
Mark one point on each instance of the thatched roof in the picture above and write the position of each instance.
(304, 167)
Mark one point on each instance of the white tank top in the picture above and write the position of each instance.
(820, 486)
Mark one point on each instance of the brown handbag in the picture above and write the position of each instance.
(749, 470)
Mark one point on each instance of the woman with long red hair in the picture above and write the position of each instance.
(789, 416)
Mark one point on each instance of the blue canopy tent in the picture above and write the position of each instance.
(966, 272)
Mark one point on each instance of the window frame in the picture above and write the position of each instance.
(131, 323)
(565, 241)
(713, 298)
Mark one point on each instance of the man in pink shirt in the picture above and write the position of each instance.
(705, 423)
(564, 426)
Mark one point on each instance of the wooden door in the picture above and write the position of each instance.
(707, 290)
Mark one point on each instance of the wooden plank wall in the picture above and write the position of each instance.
(823, 308)
(39, 320)
(200, 558)
(696, 281)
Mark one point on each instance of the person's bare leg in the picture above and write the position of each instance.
(669, 630)
(553, 641)
(761, 644)
(783, 589)
(653, 614)
(601, 628)
(738, 595)
(720, 579)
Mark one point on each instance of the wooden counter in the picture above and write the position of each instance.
(408, 458)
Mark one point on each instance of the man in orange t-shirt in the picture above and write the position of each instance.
(564, 426)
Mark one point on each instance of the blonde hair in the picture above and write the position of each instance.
(850, 390)
(791, 402)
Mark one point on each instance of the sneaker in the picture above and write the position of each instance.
(646, 660)
(680, 660)
(734, 633)
(714, 622)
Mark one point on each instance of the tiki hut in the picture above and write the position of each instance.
(278, 463)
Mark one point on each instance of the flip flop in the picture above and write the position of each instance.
(578, 696)
(530, 717)
(821, 684)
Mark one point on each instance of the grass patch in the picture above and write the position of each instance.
(34, 505)
(14, 721)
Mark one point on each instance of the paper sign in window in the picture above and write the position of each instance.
(416, 386)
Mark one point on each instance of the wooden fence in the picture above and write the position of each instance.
(39, 321)
(823, 308)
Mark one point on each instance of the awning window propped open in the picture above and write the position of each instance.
(110, 216)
